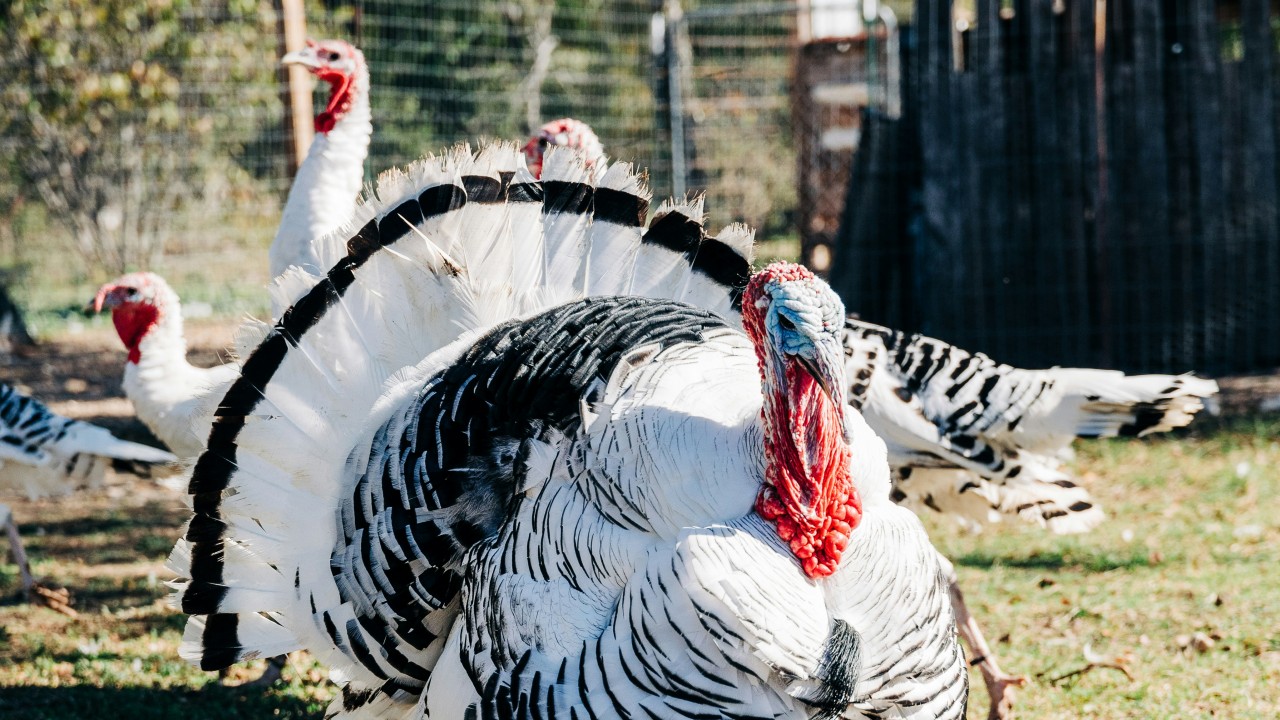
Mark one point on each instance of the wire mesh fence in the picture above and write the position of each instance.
(153, 134)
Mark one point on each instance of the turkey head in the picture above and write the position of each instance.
(338, 63)
(138, 303)
(565, 132)
(795, 322)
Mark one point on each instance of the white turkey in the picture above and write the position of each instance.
(568, 133)
(172, 397)
(324, 191)
(975, 439)
(478, 483)
(45, 454)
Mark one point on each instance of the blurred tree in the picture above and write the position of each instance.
(107, 110)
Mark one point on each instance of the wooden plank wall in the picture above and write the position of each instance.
(1104, 196)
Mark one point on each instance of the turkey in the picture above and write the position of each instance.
(172, 397)
(565, 132)
(44, 454)
(975, 439)
(324, 191)
(490, 467)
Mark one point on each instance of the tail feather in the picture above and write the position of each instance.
(621, 205)
(722, 261)
(442, 251)
(668, 250)
(566, 219)
(524, 212)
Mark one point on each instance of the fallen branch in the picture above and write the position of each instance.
(1094, 666)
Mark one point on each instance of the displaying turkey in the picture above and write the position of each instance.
(478, 483)
(976, 440)
(172, 397)
(567, 133)
(324, 191)
(45, 454)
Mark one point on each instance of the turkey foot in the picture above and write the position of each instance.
(999, 685)
(58, 600)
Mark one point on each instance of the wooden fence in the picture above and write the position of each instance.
(1085, 188)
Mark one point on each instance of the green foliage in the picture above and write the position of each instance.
(107, 109)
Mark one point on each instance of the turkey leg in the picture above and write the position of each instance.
(19, 554)
(999, 685)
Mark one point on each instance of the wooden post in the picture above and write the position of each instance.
(298, 111)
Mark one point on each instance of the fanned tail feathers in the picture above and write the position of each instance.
(444, 249)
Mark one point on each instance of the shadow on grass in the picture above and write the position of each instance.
(133, 703)
(152, 515)
(1051, 560)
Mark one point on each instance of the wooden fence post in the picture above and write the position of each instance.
(298, 111)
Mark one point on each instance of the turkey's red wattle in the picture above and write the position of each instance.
(341, 95)
(809, 494)
(133, 321)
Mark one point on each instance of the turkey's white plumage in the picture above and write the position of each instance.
(978, 440)
(43, 453)
(324, 191)
(172, 397)
(420, 496)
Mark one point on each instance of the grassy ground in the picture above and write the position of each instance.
(1191, 547)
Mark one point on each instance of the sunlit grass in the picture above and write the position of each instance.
(1190, 547)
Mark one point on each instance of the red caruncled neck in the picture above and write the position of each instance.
(341, 95)
(133, 321)
(809, 495)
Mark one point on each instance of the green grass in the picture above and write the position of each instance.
(1191, 546)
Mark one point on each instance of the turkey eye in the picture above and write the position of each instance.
(786, 323)
(333, 56)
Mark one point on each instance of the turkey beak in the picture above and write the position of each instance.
(105, 299)
(305, 57)
(812, 367)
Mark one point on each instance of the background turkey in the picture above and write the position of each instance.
(482, 436)
(566, 133)
(324, 190)
(44, 454)
(174, 398)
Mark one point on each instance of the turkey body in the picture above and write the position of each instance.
(324, 191)
(550, 515)
(43, 453)
(174, 398)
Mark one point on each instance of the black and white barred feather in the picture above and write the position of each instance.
(977, 439)
(450, 469)
(43, 453)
